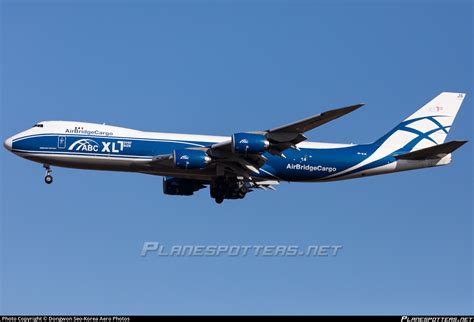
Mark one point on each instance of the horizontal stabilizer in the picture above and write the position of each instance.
(433, 152)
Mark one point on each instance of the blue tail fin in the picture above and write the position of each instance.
(427, 127)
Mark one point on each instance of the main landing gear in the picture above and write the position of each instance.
(217, 190)
(228, 188)
(48, 177)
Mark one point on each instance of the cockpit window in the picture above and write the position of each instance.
(38, 125)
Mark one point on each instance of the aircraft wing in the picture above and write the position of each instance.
(243, 154)
(293, 132)
(289, 135)
(277, 140)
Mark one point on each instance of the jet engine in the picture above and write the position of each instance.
(249, 143)
(180, 187)
(190, 159)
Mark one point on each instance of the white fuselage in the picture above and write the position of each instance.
(104, 147)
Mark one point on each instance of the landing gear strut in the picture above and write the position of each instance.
(48, 177)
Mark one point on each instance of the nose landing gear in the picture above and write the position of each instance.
(48, 177)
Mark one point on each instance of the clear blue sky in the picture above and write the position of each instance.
(219, 68)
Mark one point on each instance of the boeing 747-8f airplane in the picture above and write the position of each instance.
(235, 165)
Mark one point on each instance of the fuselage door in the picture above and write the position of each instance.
(61, 142)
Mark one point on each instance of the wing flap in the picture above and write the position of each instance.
(266, 184)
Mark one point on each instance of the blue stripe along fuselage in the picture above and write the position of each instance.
(304, 165)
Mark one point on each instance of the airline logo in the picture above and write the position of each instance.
(82, 130)
(84, 145)
(89, 145)
(310, 168)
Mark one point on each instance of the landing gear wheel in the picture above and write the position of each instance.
(48, 179)
(217, 190)
(219, 199)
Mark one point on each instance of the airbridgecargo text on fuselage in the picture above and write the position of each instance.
(310, 168)
(79, 130)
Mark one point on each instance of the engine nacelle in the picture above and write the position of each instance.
(249, 143)
(191, 159)
(180, 187)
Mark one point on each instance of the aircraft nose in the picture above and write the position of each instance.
(8, 144)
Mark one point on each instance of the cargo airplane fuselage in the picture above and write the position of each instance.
(234, 165)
